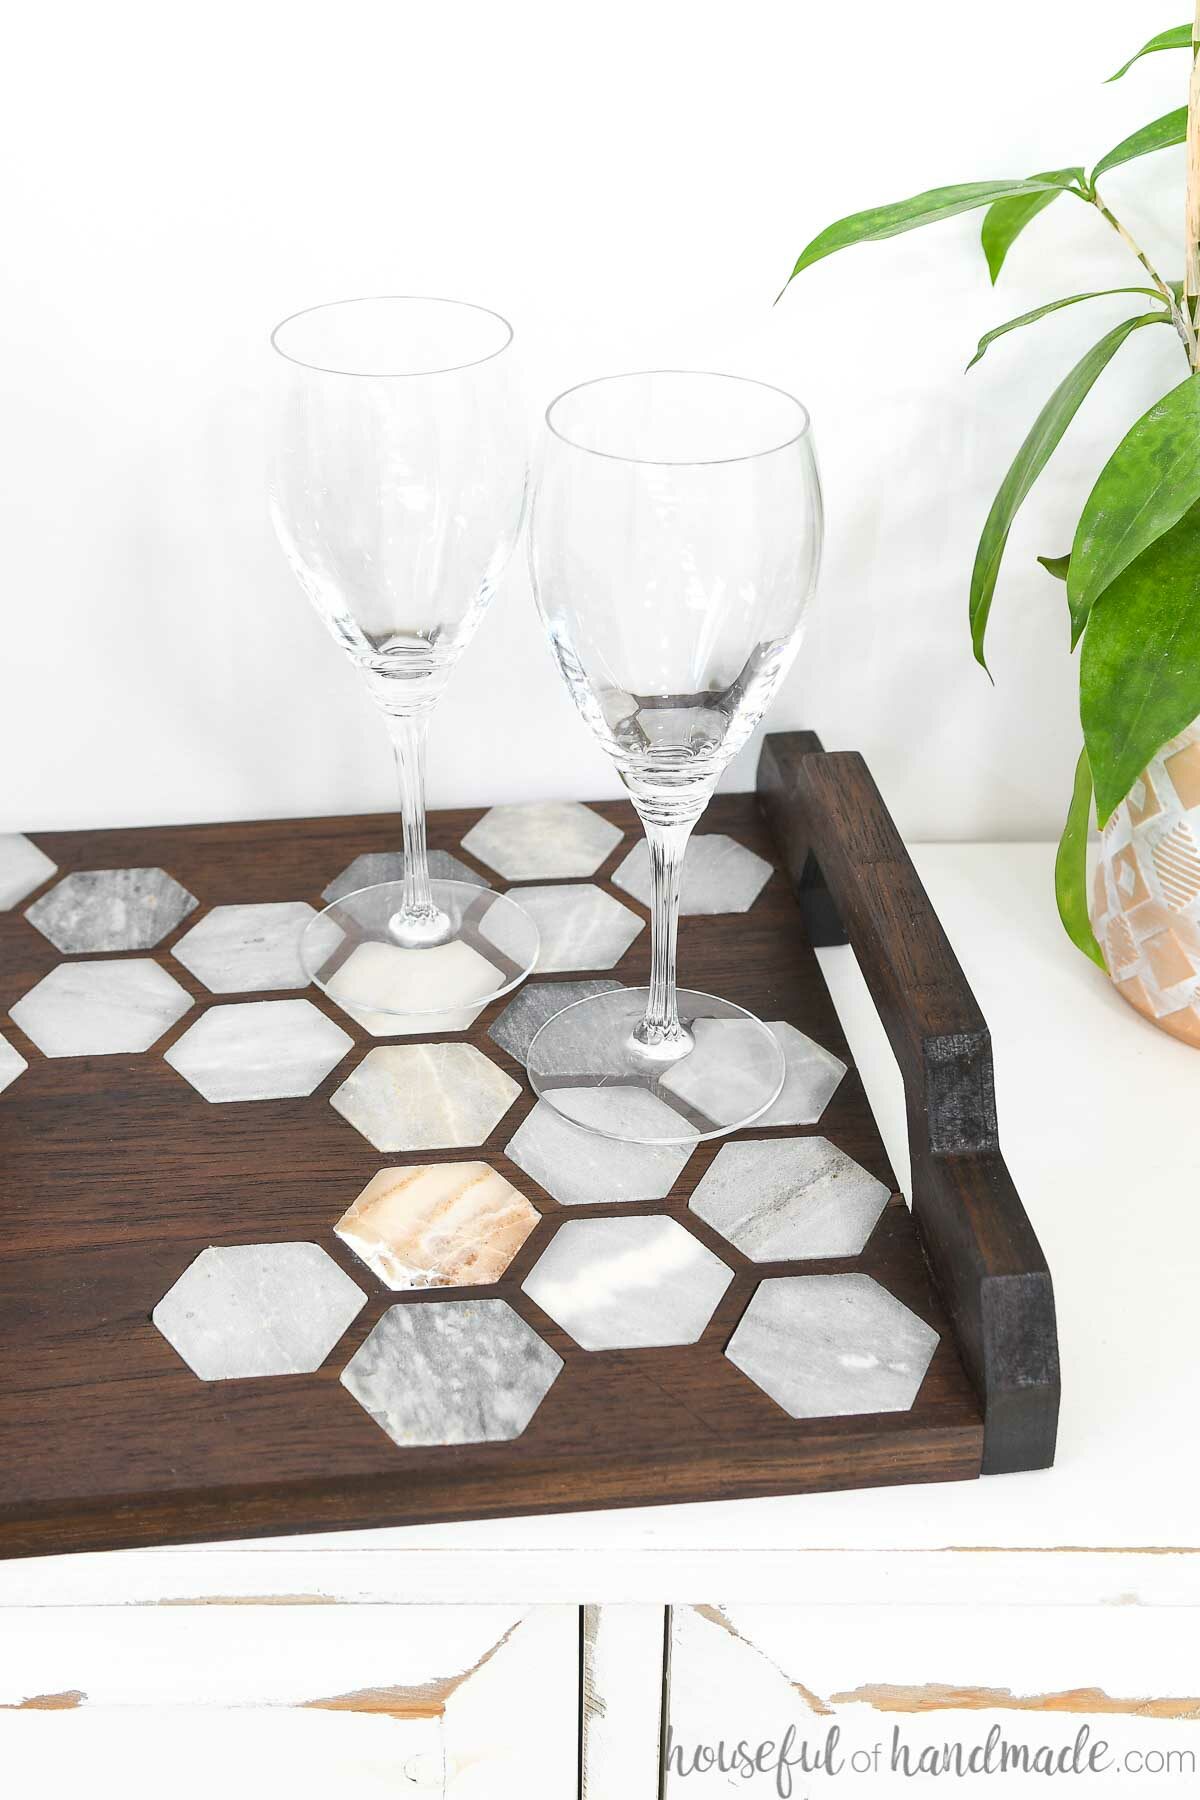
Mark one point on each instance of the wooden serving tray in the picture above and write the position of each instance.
(115, 1174)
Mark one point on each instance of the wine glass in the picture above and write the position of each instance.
(674, 545)
(397, 493)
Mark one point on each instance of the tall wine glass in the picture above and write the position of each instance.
(674, 545)
(397, 492)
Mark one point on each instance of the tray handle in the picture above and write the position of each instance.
(856, 884)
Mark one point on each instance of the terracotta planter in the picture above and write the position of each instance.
(1146, 900)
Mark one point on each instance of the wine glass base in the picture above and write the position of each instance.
(350, 951)
(587, 1064)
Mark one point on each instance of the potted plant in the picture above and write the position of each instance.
(1131, 577)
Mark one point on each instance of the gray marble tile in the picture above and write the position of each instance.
(425, 1096)
(379, 866)
(581, 927)
(111, 909)
(23, 867)
(632, 1283)
(823, 1346)
(100, 1008)
(542, 840)
(376, 976)
(258, 1309)
(536, 1002)
(12, 1063)
(438, 1225)
(259, 1050)
(719, 875)
(811, 1079)
(789, 1199)
(581, 1169)
(247, 949)
(727, 1071)
(452, 1372)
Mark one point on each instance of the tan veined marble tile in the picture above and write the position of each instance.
(438, 1225)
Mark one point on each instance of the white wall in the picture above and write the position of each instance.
(629, 181)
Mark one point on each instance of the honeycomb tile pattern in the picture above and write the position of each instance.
(23, 867)
(452, 1372)
(388, 865)
(581, 1169)
(719, 875)
(247, 949)
(425, 1097)
(581, 927)
(100, 1008)
(812, 1077)
(533, 1004)
(259, 1050)
(258, 1309)
(111, 909)
(823, 1346)
(437, 1225)
(632, 1283)
(542, 840)
(12, 1064)
(789, 1199)
(416, 979)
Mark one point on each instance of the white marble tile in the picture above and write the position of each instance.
(23, 867)
(376, 867)
(375, 975)
(580, 926)
(425, 1096)
(438, 1225)
(111, 909)
(812, 1076)
(537, 1001)
(719, 875)
(630, 1283)
(582, 1169)
(258, 1309)
(542, 839)
(452, 1372)
(723, 1077)
(100, 1008)
(259, 1050)
(789, 1199)
(824, 1346)
(248, 949)
(12, 1063)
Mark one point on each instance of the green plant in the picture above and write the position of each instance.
(1132, 575)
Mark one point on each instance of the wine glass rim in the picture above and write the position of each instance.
(675, 462)
(391, 374)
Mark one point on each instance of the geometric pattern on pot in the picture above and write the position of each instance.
(23, 867)
(823, 1346)
(111, 909)
(452, 1372)
(541, 840)
(812, 1076)
(580, 1168)
(437, 1225)
(425, 1096)
(1146, 896)
(789, 1199)
(628, 1283)
(100, 1008)
(378, 866)
(719, 875)
(248, 949)
(581, 927)
(259, 1050)
(258, 1309)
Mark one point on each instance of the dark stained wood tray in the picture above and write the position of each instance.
(115, 1173)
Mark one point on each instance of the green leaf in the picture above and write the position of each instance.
(1039, 312)
(1151, 479)
(1070, 866)
(1029, 462)
(1170, 129)
(1056, 566)
(905, 215)
(1005, 220)
(1178, 38)
(1139, 676)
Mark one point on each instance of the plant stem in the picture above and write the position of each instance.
(1180, 316)
(1191, 278)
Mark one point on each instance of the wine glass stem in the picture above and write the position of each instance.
(660, 1033)
(418, 921)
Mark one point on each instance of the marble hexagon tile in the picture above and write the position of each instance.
(425, 1097)
(438, 1225)
(532, 1005)
(388, 865)
(111, 909)
(811, 1078)
(719, 875)
(452, 1372)
(580, 1168)
(12, 1064)
(580, 926)
(542, 840)
(823, 1346)
(100, 1008)
(258, 1309)
(23, 867)
(259, 1050)
(410, 982)
(631, 1283)
(788, 1199)
(247, 949)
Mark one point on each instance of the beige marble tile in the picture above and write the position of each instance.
(438, 1225)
